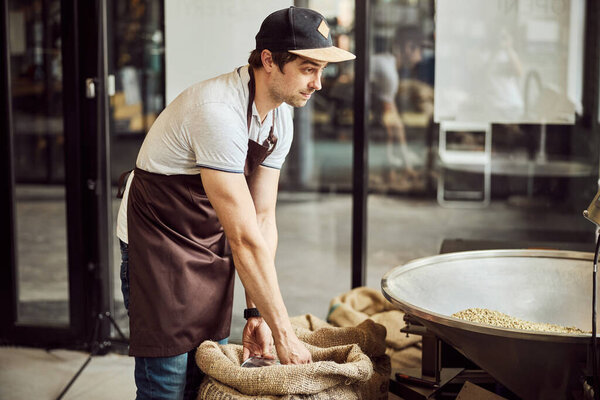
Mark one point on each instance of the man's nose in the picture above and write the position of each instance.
(315, 83)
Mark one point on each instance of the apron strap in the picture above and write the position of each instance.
(251, 91)
(121, 185)
(271, 140)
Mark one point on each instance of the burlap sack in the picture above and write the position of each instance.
(393, 322)
(362, 303)
(211, 389)
(370, 336)
(309, 321)
(407, 358)
(364, 300)
(377, 388)
(334, 370)
(355, 306)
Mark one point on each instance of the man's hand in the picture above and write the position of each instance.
(257, 339)
(292, 351)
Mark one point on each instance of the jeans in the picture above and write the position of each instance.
(125, 273)
(167, 378)
(162, 378)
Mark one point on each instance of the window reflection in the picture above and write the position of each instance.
(401, 77)
(137, 61)
(510, 62)
(314, 206)
(138, 41)
(36, 68)
(321, 155)
(38, 162)
(538, 175)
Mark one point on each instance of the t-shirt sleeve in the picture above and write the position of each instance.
(219, 138)
(285, 133)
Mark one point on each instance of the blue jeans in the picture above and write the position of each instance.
(162, 378)
(167, 378)
(125, 273)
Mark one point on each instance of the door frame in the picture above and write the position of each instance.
(87, 185)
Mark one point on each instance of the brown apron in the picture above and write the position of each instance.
(181, 269)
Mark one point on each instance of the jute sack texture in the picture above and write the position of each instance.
(335, 373)
(309, 322)
(370, 337)
(212, 389)
(353, 307)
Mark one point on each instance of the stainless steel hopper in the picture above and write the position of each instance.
(534, 285)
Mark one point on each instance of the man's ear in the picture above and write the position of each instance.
(267, 60)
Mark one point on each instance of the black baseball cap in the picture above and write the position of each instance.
(300, 31)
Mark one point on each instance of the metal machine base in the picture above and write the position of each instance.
(417, 386)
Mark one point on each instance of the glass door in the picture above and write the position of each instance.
(36, 78)
(53, 285)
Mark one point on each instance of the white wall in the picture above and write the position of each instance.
(206, 38)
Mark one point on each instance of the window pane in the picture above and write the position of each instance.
(520, 62)
(401, 134)
(36, 80)
(315, 203)
(488, 184)
(137, 61)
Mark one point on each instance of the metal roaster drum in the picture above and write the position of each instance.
(534, 285)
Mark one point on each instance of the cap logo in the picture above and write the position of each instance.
(323, 29)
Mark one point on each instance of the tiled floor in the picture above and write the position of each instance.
(27, 374)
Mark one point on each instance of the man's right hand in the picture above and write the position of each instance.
(291, 350)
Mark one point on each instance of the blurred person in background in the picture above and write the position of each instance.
(394, 89)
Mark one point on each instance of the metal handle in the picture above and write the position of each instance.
(90, 88)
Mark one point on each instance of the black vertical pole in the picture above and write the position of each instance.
(103, 182)
(360, 145)
(8, 288)
(91, 19)
(72, 162)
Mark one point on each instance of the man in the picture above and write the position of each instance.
(202, 199)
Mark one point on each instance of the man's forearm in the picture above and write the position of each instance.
(256, 269)
(268, 229)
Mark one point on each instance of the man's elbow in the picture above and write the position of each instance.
(242, 241)
(265, 220)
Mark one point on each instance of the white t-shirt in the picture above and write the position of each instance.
(206, 126)
(384, 77)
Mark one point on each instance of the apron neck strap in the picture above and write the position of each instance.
(252, 91)
(271, 139)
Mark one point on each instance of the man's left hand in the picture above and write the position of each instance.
(257, 339)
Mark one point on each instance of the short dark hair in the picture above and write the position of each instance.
(279, 57)
(408, 34)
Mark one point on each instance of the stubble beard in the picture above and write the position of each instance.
(293, 100)
(296, 102)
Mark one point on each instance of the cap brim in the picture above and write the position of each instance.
(328, 54)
